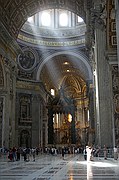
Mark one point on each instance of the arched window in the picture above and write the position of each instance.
(63, 19)
(45, 18)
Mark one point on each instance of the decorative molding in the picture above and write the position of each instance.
(42, 42)
(114, 40)
(68, 32)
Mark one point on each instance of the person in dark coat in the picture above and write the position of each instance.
(85, 153)
(63, 153)
(18, 154)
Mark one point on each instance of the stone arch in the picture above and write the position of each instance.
(20, 11)
(78, 55)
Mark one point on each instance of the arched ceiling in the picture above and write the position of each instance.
(77, 62)
(14, 13)
(63, 71)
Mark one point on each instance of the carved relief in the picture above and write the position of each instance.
(115, 88)
(98, 17)
(115, 78)
(27, 61)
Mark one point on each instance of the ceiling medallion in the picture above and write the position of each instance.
(27, 60)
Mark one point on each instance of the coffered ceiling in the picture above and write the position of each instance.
(14, 13)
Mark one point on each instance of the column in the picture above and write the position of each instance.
(13, 104)
(36, 122)
(103, 87)
(50, 127)
(91, 115)
(73, 130)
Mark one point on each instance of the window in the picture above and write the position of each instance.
(63, 19)
(31, 19)
(69, 117)
(80, 20)
(55, 18)
(45, 18)
(52, 92)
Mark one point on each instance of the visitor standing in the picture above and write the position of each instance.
(115, 153)
(105, 152)
(63, 153)
(85, 153)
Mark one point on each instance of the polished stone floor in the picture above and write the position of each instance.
(48, 167)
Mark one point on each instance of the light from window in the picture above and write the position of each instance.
(88, 115)
(80, 19)
(45, 19)
(69, 117)
(30, 19)
(66, 63)
(63, 19)
(52, 92)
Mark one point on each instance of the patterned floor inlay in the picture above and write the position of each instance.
(54, 168)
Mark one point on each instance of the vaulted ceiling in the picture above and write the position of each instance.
(66, 72)
(14, 13)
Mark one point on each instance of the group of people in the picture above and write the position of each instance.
(90, 152)
(14, 154)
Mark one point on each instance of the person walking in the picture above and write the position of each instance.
(63, 153)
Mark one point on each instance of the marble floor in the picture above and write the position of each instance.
(48, 167)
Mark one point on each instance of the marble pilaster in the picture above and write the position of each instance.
(50, 127)
(103, 92)
(36, 123)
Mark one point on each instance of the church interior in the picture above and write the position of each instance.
(59, 73)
